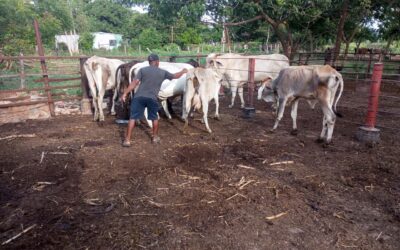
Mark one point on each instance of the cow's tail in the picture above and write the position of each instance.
(118, 81)
(340, 79)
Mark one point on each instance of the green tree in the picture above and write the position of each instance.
(290, 19)
(189, 36)
(86, 41)
(387, 13)
(107, 16)
(49, 27)
(16, 22)
(150, 38)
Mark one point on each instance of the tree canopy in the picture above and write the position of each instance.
(296, 24)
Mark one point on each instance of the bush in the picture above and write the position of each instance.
(86, 41)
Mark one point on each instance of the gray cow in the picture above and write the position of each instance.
(315, 83)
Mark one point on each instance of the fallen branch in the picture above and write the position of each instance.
(245, 184)
(281, 163)
(143, 214)
(244, 166)
(41, 158)
(58, 153)
(275, 216)
(233, 196)
(18, 235)
(39, 186)
(11, 137)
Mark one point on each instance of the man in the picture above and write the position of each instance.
(150, 79)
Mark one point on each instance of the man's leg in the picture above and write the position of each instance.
(136, 113)
(155, 128)
(152, 109)
(128, 134)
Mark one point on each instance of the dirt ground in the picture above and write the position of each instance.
(72, 186)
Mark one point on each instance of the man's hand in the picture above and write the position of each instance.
(123, 97)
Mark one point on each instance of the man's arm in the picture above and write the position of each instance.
(180, 73)
(131, 87)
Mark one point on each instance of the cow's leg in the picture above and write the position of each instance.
(260, 90)
(164, 104)
(205, 113)
(328, 123)
(100, 104)
(294, 116)
(240, 92)
(96, 109)
(146, 115)
(323, 132)
(281, 109)
(233, 91)
(113, 101)
(93, 91)
(216, 100)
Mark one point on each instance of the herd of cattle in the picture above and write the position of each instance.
(278, 82)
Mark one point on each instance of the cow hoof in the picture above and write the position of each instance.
(101, 123)
(272, 130)
(217, 118)
(319, 140)
(209, 131)
(113, 113)
(294, 132)
(325, 144)
(230, 106)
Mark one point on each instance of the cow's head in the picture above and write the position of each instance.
(266, 92)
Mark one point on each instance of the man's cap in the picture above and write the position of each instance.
(153, 57)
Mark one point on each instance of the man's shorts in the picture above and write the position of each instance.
(138, 105)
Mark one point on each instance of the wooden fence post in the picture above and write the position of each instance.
(44, 68)
(86, 109)
(22, 71)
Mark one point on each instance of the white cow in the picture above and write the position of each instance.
(315, 83)
(201, 87)
(234, 68)
(169, 88)
(101, 74)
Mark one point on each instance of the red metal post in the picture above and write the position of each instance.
(252, 65)
(374, 95)
(43, 66)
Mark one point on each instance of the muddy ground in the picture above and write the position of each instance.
(72, 186)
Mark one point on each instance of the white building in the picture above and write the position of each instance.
(102, 40)
(108, 41)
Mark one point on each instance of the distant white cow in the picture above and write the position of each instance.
(202, 86)
(234, 68)
(101, 74)
(169, 88)
(315, 83)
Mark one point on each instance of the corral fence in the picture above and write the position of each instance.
(32, 82)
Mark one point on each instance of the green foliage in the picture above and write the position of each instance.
(58, 9)
(49, 27)
(297, 24)
(189, 36)
(172, 47)
(86, 41)
(107, 16)
(150, 38)
(136, 24)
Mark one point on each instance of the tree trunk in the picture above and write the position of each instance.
(342, 20)
(389, 42)
(346, 50)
